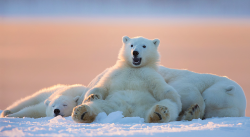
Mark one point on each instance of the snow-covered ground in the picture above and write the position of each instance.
(115, 125)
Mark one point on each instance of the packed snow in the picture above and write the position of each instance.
(115, 124)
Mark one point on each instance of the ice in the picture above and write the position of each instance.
(115, 124)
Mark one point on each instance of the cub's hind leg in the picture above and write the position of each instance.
(35, 111)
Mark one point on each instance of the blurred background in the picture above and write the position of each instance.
(43, 43)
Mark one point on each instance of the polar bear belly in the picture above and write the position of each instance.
(132, 103)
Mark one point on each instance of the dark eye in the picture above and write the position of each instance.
(131, 45)
(53, 106)
(64, 105)
(144, 46)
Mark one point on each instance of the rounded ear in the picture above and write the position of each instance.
(46, 102)
(156, 42)
(76, 98)
(125, 39)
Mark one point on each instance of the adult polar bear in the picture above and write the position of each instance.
(50, 102)
(216, 96)
(202, 95)
(132, 86)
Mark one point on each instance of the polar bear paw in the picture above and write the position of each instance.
(92, 97)
(83, 114)
(5, 113)
(159, 114)
(193, 112)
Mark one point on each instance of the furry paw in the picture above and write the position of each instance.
(83, 114)
(159, 114)
(193, 112)
(5, 113)
(92, 97)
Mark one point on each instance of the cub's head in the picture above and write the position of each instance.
(60, 105)
(139, 51)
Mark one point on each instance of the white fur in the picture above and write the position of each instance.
(91, 85)
(34, 105)
(64, 100)
(134, 89)
(217, 96)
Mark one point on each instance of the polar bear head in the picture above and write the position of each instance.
(139, 51)
(60, 105)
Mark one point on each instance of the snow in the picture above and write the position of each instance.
(115, 124)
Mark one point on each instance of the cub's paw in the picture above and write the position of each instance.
(83, 114)
(92, 97)
(159, 114)
(5, 113)
(193, 112)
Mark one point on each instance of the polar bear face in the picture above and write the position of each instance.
(60, 105)
(139, 51)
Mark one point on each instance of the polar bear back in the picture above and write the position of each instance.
(38, 96)
(72, 91)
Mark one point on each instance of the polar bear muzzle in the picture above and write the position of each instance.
(136, 59)
(57, 112)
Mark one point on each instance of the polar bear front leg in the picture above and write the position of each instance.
(92, 97)
(94, 94)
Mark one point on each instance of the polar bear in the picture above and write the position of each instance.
(132, 86)
(205, 95)
(50, 102)
(63, 101)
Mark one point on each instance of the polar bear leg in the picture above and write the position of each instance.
(86, 113)
(27, 101)
(190, 97)
(5, 113)
(35, 111)
(162, 112)
(193, 105)
(193, 112)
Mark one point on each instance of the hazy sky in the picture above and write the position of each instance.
(118, 8)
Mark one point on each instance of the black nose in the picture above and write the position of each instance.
(56, 111)
(135, 53)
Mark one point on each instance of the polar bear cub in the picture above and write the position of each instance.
(132, 86)
(63, 101)
(52, 101)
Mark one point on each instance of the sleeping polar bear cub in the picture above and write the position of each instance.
(50, 102)
(132, 86)
(63, 101)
